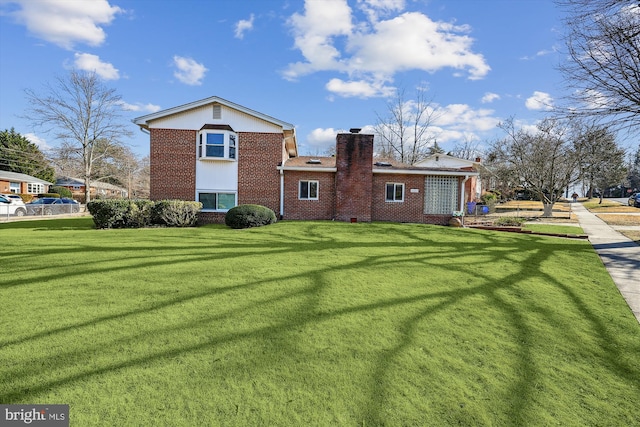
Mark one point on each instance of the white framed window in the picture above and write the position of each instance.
(33, 188)
(217, 145)
(440, 194)
(14, 187)
(394, 192)
(308, 190)
(217, 202)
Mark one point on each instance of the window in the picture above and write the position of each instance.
(395, 192)
(14, 187)
(220, 145)
(35, 188)
(308, 190)
(232, 146)
(440, 194)
(217, 201)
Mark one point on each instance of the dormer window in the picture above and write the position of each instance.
(217, 143)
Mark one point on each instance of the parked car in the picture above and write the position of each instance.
(10, 205)
(632, 199)
(636, 201)
(52, 206)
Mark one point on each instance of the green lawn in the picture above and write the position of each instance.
(313, 324)
(552, 228)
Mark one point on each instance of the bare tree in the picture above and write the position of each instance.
(84, 116)
(603, 66)
(602, 162)
(404, 132)
(545, 162)
(468, 149)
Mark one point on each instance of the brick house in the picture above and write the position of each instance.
(20, 183)
(223, 154)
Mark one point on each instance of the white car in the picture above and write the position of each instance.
(11, 204)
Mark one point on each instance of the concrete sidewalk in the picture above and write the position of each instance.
(619, 254)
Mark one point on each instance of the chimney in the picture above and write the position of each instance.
(478, 159)
(354, 176)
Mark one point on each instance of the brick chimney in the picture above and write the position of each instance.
(354, 176)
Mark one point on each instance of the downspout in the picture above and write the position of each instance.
(464, 181)
(281, 193)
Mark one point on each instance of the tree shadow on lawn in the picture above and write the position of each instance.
(311, 311)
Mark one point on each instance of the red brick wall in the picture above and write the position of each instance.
(173, 164)
(323, 208)
(411, 210)
(354, 176)
(259, 155)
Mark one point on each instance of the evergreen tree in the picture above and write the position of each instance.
(18, 154)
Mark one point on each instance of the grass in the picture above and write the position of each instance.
(313, 323)
(607, 206)
(552, 228)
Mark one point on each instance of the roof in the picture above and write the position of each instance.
(143, 121)
(22, 177)
(95, 184)
(380, 165)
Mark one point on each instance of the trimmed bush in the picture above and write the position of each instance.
(109, 213)
(175, 213)
(62, 191)
(56, 195)
(247, 216)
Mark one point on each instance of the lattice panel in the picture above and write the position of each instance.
(440, 194)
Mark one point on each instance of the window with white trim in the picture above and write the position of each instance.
(308, 190)
(217, 145)
(220, 202)
(395, 192)
(440, 194)
(33, 188)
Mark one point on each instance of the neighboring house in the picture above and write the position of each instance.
(223, 154)
(19, 183)
(97, 188)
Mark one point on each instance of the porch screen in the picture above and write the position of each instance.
(440, 194)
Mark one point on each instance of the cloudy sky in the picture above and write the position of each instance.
(322, 65)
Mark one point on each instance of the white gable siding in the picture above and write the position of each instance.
(195, 118)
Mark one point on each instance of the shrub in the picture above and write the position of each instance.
(509, 221)
(175, 213)
(118, 213)
(62, 191)
(56, 195)
(109, 213)
(246, 216)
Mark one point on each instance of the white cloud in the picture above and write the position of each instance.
(371, 52)
(66, 23)
(138, 106)
(89, 62)
(539, 101)
(244, 25)
(361, 88)
(462, 117)
(322, 138)
(189, 71)
(489, 97)
(41, 143)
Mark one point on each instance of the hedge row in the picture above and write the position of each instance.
(118, 213)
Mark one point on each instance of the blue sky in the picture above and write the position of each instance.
(322, 65)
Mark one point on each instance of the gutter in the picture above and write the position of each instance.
(281, 193)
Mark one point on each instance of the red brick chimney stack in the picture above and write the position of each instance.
(354, 176)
